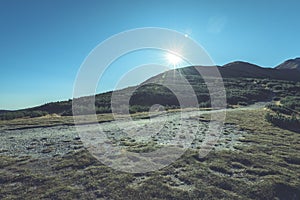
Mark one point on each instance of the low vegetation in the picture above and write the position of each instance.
(265, 164)
(285, 111)
(239, 91)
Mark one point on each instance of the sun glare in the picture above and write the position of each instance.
(173, 59)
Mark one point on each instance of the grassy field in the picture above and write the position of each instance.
(265, 164)
(57, 120)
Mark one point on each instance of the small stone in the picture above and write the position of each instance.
(77, 138)
(48, 150)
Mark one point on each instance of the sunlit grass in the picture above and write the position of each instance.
(264, 166)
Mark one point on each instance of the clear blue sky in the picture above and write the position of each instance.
(44, 42)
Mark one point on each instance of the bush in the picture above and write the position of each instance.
(138, 108)
(104, 109)
(291, 102)
(37, 113)
(242, 103)
(289, 123)
(19, 114)
(279, 109)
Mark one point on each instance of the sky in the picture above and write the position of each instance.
(43, 43)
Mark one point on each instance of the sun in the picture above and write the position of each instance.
(173, 59)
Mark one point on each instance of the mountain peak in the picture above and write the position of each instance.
(240, 64)
(290, 64)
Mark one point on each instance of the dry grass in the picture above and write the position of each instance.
(266, 166)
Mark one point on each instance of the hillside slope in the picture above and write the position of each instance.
(290, 64)
(244, 82)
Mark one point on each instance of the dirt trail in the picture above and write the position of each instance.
(165, 129)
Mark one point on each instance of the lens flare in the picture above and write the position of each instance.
(173, 59)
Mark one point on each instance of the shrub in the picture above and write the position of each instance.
(289, 123)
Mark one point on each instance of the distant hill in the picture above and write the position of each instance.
(245, 83)
(290, 64)
(3, 111)
(247, 70)
(241, 69)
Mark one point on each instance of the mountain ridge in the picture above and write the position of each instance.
(290, 64)
(234, 75)
(245, 69)
(241, 69)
